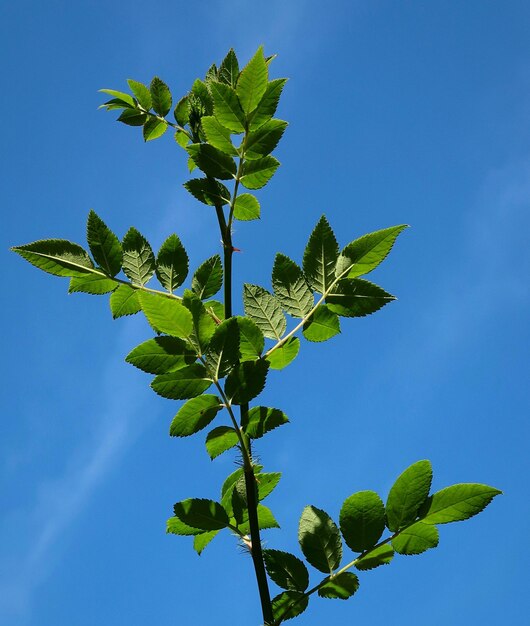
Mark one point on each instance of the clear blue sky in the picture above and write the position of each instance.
(399, 112)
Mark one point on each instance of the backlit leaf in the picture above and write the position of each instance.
(355, 297)
(265, 310)
(263, 141)
(223, 350)
(260, 420)
(186, 382)
(407, 494)
(322, 325)
(246, 381)
(201, 513)
(208, 278)
(246, 207)
(256, 174)
(141, 93)
(201, 541)
(153, 129)
(252, 82)
(457, 503)
(290, 287)
(320, 539)
(57, 256)
(217, 135)
(268, 104)
(286, 570)
(229, 69)
(220, 440)
(211, 161)
(203, 324)
(251, 340)
(182, 111)
(195, 415)
(416, 539)
(208, 191)
(289, 604)
(175, 526)
(138, 258)
(362, 520)
(124, 301)
(160, 96)
(166, 315)
(95, 284)
(161, 355)
(285, 354)
(266, 520)
(320, 256)
(120, 95)
(341, 587)
(379, 556)
(133, 117)
(227, 108)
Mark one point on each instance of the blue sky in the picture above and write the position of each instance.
(399, 113)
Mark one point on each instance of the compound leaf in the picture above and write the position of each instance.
(195, 415)
(320, 539)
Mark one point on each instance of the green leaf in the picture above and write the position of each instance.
(104, 245)
(220, 440)
(286, 570)
(260, 420)
(246, 207)
(160, 96)
(132, 117)
(320, 539)
(95, 284)
(379, 556)
(416, 539)
(251, 340)
(266, 520)
(365, 254)
(262, 142)
(256, 174)
(362, 520)
(175, 526)
(208, 191)
(201, 513)
(246, 381)
(407, 494)
(186, 382)
(138, 258)
(217, 135)
(290, 287)
(229, 69)
(223, 350)
(289, 604)
(457, 503)
(119, 95)
(57, 256)
(268, 104)
(201, 541)
(182, 138)
(124, 301)
(230, 481)
(172, 263)
(284, 354)
(166, 315)
(201, 99)
(154, 128)
(114, 104)
(208, 278)
(203, 324)
(182, 111)
(322, 325)
(252, 82)
(355, 297)
(195, 415)
(141, 93)
(265, 310)
(267, 482)
(211, 74)
(161, 355)
(211, 161)
(227, 108)
(341, 587)
(320, 256)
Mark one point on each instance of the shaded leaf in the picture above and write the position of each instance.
(268, 104)
(182, 111)
(220, 440)
(182, 138)
(416, 539)
(246, 381)
(251, 340)
(161, 355)
(267, 482)
(289, 604)
(217, 135)
(380, 556)
(160, 96)
(201, 541)
(141, 93)
(341, 587)
(124, 301)
(95, 284)
(138, 258)
(320, 256)
(223, 349)
(407, 494)
(104, 245)
(266, 520)
(286, 570)
(366, 253)
(211, 161)
(355, 297)
(120, 95)
(290, 287)
(229, 69)
(56, 256)
(320, 539)
(153, 129)
(208, 191)
(227, 108)
(133, 117)
(203, 324)
(186, 382)
(201, 513)
(172, 263)
(265, 310)
(362, 520)
(208, 278)
(195, 415)
(322, 325)
(175, 526)
(260, 420)
(263, 141)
